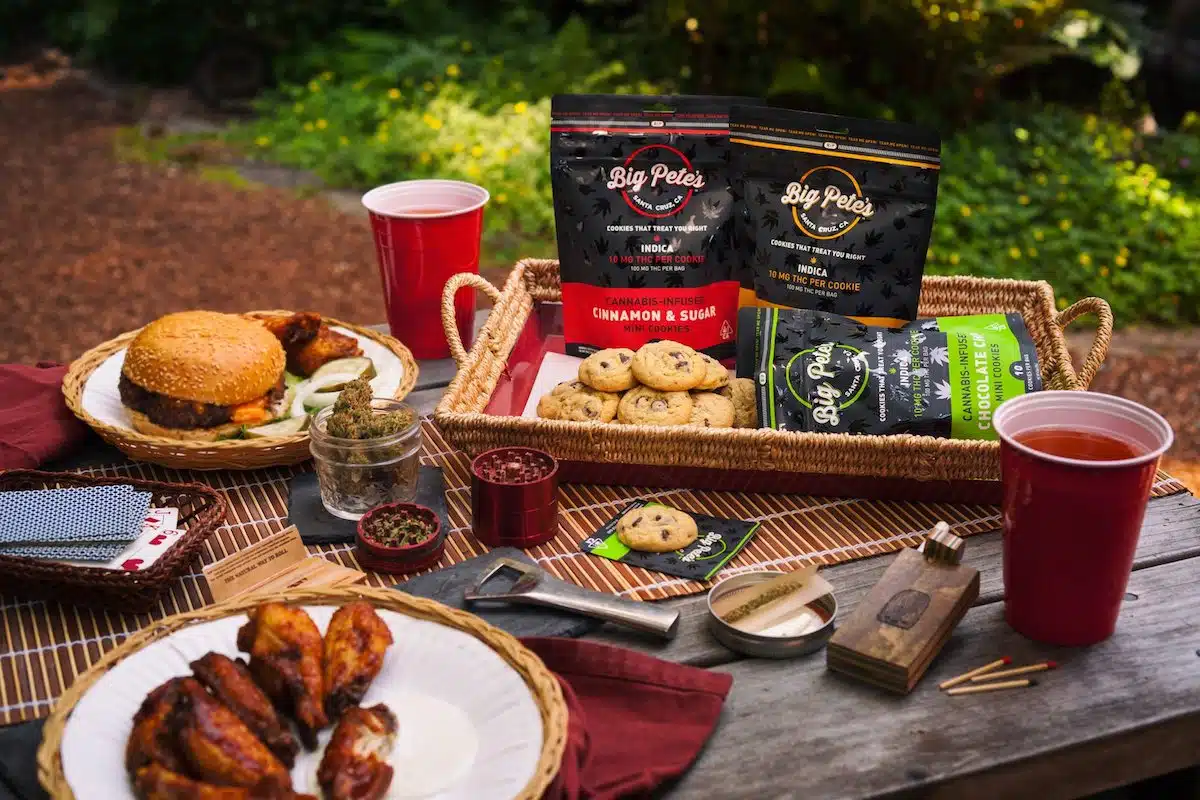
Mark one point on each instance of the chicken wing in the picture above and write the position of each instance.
(285, 658)
(355, 765)
(219, 748)
(233, 685)
(152, 740)
(156, 782)
(327, 346)
(294, 331)
(355, 643)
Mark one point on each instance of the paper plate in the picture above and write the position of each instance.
(90, 389)
(469, 726)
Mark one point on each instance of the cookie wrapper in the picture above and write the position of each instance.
(719, 540)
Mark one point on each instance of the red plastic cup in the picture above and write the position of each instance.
(426, 231)
(1071, 524)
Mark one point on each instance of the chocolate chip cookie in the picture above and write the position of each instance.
(645, 406)
(745, 403)
(609, 370)
(572, 400)
(715, 375)
(656, 529)
(710, 410)
(669, 366)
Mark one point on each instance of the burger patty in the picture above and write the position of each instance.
(171, 412)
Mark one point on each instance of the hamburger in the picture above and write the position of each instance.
(201, 376)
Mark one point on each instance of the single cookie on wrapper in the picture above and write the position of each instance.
(656, 529)
(514, 497)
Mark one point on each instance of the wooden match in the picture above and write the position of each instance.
(994, 687)
(966, 676)
(1012, 673)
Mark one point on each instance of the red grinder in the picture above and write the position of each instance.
(514, 497)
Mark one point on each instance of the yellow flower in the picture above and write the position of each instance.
(1014, 252)
(477, 151)
(427, 86)
(1039, 235)
(424, 158)
(467, 47)
(313, 86)
(326, 76)
(516, 151)
(520, 107)
(1040, 178)
(263, 141)
(502, 198)
(1085, 259)
(1120, 261)
(473, 170)
(1023, 199)
(383, 136)
(453, 71)
(308, 126)
(954, 259)
(458, 147)
(394, 94)
(1062, 303)
(1103, 272)
(322, 124)
(935, 9)
(343, 141)
(965, 210)
(432, 121)
(1064, 225)
(299, 107)
(1021, 134)
(952, 16)
(1031, 252)
(692, 24)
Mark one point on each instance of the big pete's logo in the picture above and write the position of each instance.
(827, 379)
(827, 202)
(660, 189)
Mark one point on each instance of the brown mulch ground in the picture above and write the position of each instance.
(91, 247)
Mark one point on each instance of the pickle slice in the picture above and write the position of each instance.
(357, 367)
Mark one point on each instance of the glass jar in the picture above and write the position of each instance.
(356, 475)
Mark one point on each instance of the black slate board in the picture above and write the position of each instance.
(318, 526)
(448, 585)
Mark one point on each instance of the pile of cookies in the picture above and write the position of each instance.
(663, 383)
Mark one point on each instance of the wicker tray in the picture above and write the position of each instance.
(201, 510)
(542, 683)
(482, 406)
(229, 454)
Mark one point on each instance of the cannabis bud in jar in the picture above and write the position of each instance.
(366, 451)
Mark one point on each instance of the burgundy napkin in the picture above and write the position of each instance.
(35, 423)
(636, 722)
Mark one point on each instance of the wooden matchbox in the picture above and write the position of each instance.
(900, 626)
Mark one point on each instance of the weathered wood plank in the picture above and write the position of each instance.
(1171, 532)
(793, 729)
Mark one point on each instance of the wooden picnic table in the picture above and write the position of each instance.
(1119, 712)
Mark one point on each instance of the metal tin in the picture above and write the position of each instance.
(753, 644)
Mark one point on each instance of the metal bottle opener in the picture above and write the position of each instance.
(535, 587)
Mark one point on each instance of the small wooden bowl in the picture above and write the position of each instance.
(404, 559)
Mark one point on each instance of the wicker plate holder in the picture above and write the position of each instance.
(228, 454)
(541, 682)
(902, 467)
(201, 509)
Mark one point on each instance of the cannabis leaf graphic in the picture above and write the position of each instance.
(601, 206)
(863, 310)
(771, 219)
(919, 212)
(865, 271)
(920, 372)
(636, 281)
(586, 188)
(601, 246)
(886, 291)
(604, 279)
(901, 358)
(761, 198)
(903, 277)
(887, 257)
(674, 280)
(929, 325)
(872, 238)
(941, 390)
(899, 224)
(939, 355)
(631, 244)
(825, 304)
(711, 209)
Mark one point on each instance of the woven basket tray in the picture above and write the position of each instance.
(902, 466)
(541, 682)
(201, 510)
(228, 454)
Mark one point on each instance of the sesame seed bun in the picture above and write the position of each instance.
(205, 357)
(142, 424)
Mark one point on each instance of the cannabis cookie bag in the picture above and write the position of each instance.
(644, 217)
(939, 377)
(837, 211)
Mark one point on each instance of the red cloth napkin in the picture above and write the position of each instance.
(35, 423)
(636, 722)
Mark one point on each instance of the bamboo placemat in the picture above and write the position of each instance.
(43, 646)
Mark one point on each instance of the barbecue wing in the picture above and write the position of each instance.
(285, 659)
(152, 740)
(327, 346)
(355, 766)
(355, 644)
(219, 748)
(232, 684)
(294, 331)
(158, 783)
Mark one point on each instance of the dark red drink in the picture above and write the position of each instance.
(1077, 470)
(426, 231)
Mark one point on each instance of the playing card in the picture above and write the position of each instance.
(65, 516)
(145, 552)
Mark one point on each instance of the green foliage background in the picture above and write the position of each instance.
(1043, 173)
